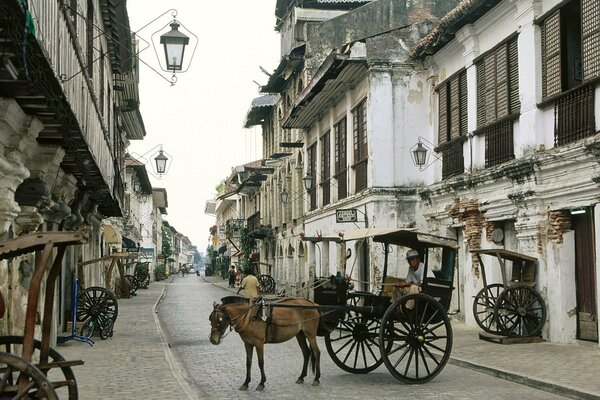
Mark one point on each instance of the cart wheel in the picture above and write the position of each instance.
(483, 307)
(415, 343)
(520, 311)
(62, 379)
(96, 301)
(144, 281)
(353, 344)
(267, 283)
(133, 284)
(37, 384)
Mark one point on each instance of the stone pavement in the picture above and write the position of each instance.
(135, 363)
(570, 370)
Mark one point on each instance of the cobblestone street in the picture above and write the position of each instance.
(216, 372)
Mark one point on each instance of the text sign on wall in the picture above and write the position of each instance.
(346, 215)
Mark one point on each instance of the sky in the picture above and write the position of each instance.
(199, 120)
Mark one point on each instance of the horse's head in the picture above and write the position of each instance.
(219, 322)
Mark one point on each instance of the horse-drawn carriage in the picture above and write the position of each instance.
(39, 372)
(412, 335)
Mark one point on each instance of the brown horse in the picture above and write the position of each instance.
(284, 324)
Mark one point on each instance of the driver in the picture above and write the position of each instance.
(251, 287)
(414, 278)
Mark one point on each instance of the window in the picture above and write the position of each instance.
(312, 169)
(452, 127)
(90, 38)
(498, 101)
(570, 60)
(325, 168)
(341, 166)
(359, 128)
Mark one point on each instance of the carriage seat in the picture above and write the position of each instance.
(388, 285)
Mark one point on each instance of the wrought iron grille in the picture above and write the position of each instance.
(453, 162)
(499, 143)
(574, 116)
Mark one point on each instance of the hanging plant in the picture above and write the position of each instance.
(247, 245)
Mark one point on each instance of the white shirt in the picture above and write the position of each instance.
(415, 276)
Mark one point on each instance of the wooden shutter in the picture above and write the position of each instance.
(501, 82)
(490, 88)
(513, 77)
(464, 121)
(480, 93)
(454, 108)
(590, 38)
(551, 55)
(355, 135)
(443, 113)
(363, 115)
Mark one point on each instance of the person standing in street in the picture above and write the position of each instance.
(250, 285)
(232, 273)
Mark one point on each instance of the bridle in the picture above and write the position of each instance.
(221, 320)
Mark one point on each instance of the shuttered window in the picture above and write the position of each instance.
(341, 165)
(452, 102)
(551, 68)
(570, 46)
(590, 38)
(312, 169)
(325, 167)
(359, 130)
(498, 84)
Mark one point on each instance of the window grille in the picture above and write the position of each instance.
(452, 159)
(499, 143)
(359, 120)
(341, 165)
(574, 116)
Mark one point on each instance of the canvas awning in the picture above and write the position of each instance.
(111, 235)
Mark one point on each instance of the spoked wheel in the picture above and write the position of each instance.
(354, 343)
(520, 311)
(415, 343)
(62, 379)
(36, 384)
(133, 284)
(267, 283)
(483, 307)
(96, 302)
(144, 281)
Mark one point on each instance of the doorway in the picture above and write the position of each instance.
(585, 276)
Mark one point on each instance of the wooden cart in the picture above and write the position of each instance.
(512, 308)
(39, 371)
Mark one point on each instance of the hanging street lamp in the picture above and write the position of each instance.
(174, 43)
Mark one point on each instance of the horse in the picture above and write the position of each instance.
(284, 323)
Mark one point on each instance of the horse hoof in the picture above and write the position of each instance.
(244, 387)
(260, 388)
(300, 381)
(316, 383)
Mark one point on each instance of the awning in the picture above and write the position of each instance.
(111, 235)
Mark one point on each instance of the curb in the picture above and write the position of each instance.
(523, 380)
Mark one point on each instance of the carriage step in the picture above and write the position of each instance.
(490, 337)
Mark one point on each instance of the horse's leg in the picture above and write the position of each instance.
(316, 359)
(249, 350)
(305, 355)
(260, 353)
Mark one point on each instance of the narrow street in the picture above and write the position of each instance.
(216, 372)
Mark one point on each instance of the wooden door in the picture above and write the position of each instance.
(587, 324)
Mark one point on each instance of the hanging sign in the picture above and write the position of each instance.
(346, 215)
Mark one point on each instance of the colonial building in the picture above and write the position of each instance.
(68, 106)
(501, 93)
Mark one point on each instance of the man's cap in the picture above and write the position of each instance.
(412, 254)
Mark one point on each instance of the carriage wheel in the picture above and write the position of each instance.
(62, 379)
(37, 385)
(144, 281)
(353, 344)
(415, 343)
(520, 311)
(133, 284)
(267, 283)
(96, 301)
(483, 307)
